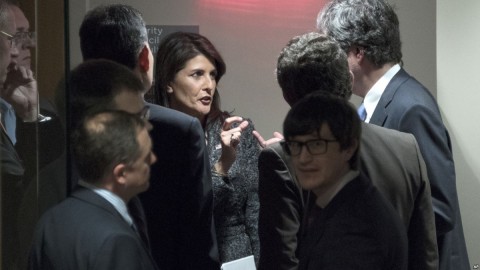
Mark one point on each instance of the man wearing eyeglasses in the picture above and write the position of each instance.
(391, 159)
(25, 38)
(19, 90)
(349, 224)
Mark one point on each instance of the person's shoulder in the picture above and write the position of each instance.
(411, 92)
(163, 118)
(374, 205)
(386, 134)
(158, 112)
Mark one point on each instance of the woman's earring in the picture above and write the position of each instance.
(169, 89)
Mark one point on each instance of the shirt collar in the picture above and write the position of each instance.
(375, 93)
(112, 198)
(327, 198)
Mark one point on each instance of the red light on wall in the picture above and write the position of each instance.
(259, 6)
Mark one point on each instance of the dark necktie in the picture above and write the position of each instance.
(139, 223)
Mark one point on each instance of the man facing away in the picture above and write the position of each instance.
(178, 205)
(92, 229)
(391, 159)
(349, 224)
(368, 31)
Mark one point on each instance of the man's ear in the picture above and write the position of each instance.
(359, 53)
(143, 59)
(119, 173)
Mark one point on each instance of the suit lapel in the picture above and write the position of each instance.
(380, 114)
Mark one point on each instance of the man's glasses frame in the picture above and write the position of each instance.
(314, 147)
(19, 38)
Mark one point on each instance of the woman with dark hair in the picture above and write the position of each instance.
(188, 68)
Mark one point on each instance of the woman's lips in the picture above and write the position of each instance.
(206, 100)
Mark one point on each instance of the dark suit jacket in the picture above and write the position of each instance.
(20, 166)
(358, 229)
(408, 106)
(86, 232)
(179, 203)
(11, 180)
(394, 163)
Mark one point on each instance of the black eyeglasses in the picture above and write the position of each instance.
(314, 147)
(11, 38)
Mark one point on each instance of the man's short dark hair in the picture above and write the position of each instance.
(115, 32)
(104, 140)
(313, 62)
(308, 115)
(94, 84)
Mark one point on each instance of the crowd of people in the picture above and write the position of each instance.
(180, 183)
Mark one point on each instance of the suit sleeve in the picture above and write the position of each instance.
(281, 209)
(201, 243)
(434, 142)
(422, 254)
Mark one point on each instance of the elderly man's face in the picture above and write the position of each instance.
(27, 43)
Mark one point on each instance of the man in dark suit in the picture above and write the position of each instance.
(391, 159)
(368, 32)
(92, 229)
(349, 224)
(178, 204)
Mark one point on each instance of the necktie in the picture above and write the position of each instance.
(139, 225)
(362, 112)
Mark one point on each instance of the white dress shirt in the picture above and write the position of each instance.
(375, 93)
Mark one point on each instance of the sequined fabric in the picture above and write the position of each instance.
(235, 197)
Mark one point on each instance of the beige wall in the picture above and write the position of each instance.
(458, 43)
(251, 33)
